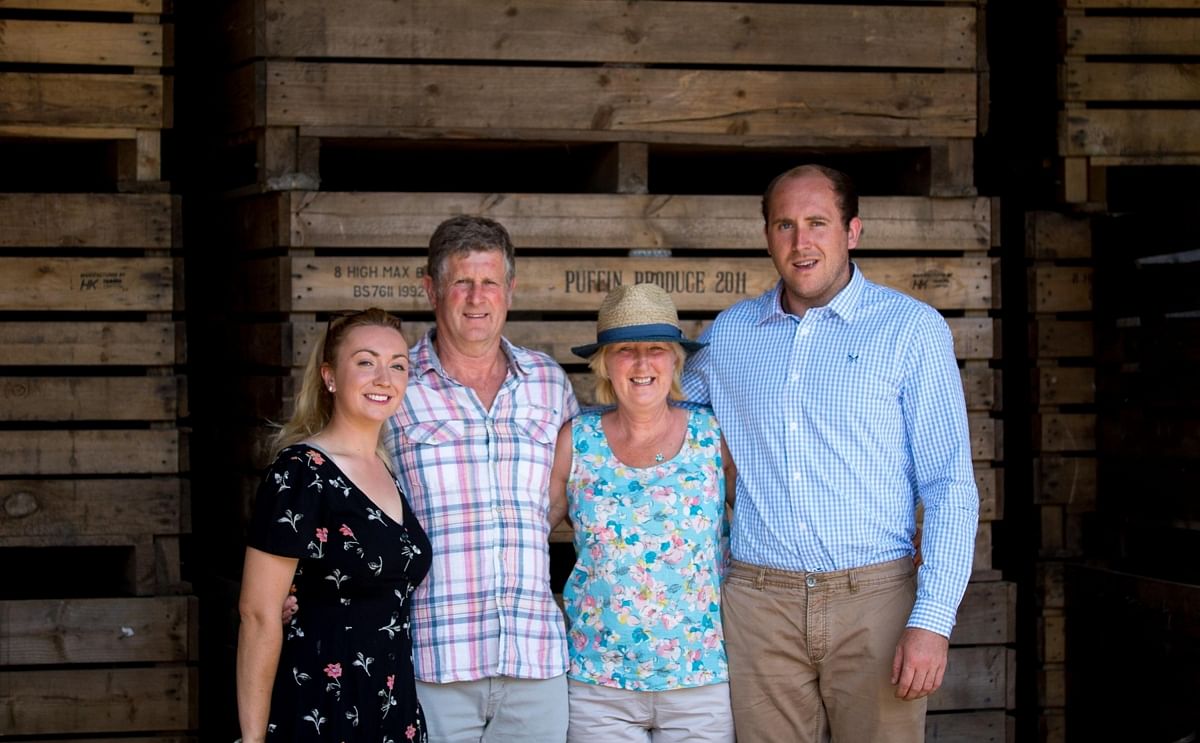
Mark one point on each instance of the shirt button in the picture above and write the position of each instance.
(804, 331)
(811, 581)
(793, 426)
(794, 378)
(797, 476)
(801, 527)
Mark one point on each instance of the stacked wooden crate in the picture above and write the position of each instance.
(1063, 430)
(92, 483)
(639, 88)
(1129, 89)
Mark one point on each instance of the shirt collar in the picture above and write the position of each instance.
(425, 358)
(844, 303)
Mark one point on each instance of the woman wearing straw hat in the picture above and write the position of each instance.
(645, 484)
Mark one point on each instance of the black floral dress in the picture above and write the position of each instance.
(345, 670)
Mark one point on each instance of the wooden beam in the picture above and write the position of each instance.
(96, 220)
(726, 103)
(42, 284)
(107, 452)
(90, 343)
(40, 398)
(68, 631)
(101, 101)
(614, 31)
(100, 700)
(81, 43)
(318, 284)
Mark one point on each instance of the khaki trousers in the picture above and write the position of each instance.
(810, 654)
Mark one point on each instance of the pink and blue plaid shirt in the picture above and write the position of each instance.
(478, 481)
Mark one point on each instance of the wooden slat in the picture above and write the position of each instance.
(86, 101)
(154, 7)
(614, 31)
(1060, 289)
(969, 727)
(90, 343)
(290, 345)
(1111, 81)
(584, 221)
(1069, 481)
(88, 220)
(49, 508)
(1097, 35)
(79, 43)
(725, 103)
(59, 631)
(987, 615)
(89, 398)
(1052, 339)
(1055, 236)
(1064, 385)
(1062, 432)
(87, 284)
(316, 284)
(976, 678)
(97, 700)
(1129, 133)
(109, 452)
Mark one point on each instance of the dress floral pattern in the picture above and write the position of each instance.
(345, 669)
(643, 601)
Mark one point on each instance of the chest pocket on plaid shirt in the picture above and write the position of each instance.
(432, 433)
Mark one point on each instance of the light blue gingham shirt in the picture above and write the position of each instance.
(839, 422)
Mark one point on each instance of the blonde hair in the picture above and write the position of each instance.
(604, 388)
(314, 404)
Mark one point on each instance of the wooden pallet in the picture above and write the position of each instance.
(94, 449)
(1129, 91)
(90, 70)
(657, 73)
(82, 667)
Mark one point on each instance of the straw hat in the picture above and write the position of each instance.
(636, 313)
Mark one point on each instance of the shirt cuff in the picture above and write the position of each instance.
(933, 616)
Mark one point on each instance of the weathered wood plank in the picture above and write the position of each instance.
(81, 43)
(727, 103)
(40, 220)
(586, 221)
(1133, 4)
(987, 614)
(1053, 339)
(87, 284)
(316, 284)
(86, 101)
(153, 7)
(1060, 289)
(72, 343)
(1062, 432)
(969, 727)
(59, 631)
(976, 678)
(1109, 35)
(1112, 81)
(1055, 236)
(616, 32)
(155, 398)
(291, 344)
(1064, 385)
(97, 700)
(50, 508)
(1069, 481)
(109, 452)
(1129, 132)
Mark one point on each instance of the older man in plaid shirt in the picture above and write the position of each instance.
(474, 443)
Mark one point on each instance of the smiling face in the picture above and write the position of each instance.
(472, 298)
(370, 375)
(809, 241)
(641, 373)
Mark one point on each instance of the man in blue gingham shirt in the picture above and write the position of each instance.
(843, 408)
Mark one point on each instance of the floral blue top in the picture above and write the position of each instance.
(643, 602)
